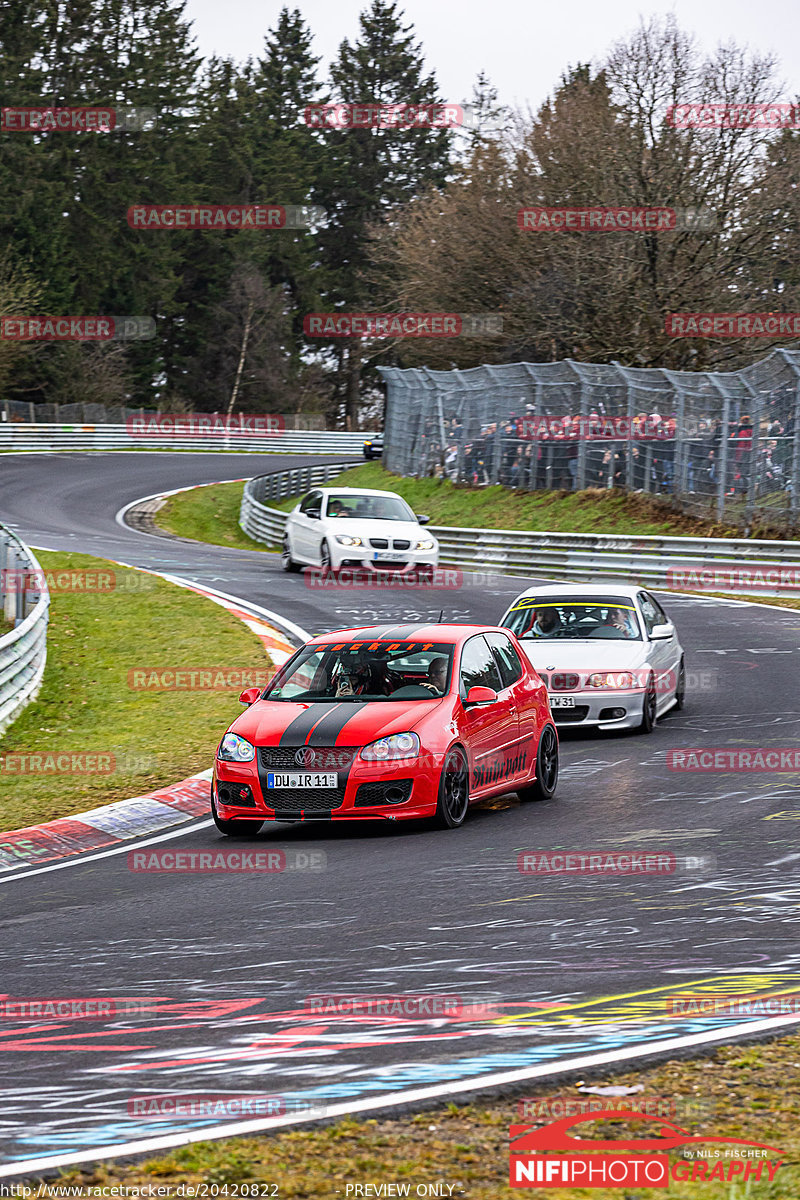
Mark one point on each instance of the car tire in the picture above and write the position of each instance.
(544, 785)
(649, 702)
(236, 829)
(453, 800)
(287, 562)
(325, 559)
(680, 687)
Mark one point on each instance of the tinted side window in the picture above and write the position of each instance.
(506, 658)
(651, 617)
(312, 500)
(478, 668)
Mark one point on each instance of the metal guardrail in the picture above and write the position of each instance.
(25, 602)
(736, 566)
(265, 524)
(21, 438)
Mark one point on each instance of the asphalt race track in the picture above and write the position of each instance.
(558, 966)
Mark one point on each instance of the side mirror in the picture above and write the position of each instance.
(480, 695)
(314, 514)
(423, 518)
(249, 695)
(660, 633)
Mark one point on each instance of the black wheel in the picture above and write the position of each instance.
(544, 785)
(287, 562)
(453, 802)
(649, 708)
(680, 689)
(236, 829)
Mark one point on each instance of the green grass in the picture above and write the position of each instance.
(211, 514)
(752, 1092)
(87, 706)
(207, 514)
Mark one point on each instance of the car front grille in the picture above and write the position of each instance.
(379, 543)
(309, 800)
(570, 716)
(292, 803)
(401, 544)
(306, 758)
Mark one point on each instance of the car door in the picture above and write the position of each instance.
(490, 731)
(305, 528)
(526, 699)
(662, 654)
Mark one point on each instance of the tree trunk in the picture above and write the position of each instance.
(242, 357)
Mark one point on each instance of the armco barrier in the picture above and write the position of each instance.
(20, 438)
(265, 524)
(23, 649)
(651, 561)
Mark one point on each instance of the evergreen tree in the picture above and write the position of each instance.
(373, 172)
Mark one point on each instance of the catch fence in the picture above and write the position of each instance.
(719, 444)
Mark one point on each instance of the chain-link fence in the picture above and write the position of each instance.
(721, 444)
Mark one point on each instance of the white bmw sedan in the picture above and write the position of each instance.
(355, 527)
(608, 653)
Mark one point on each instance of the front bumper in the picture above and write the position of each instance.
(404, 790)
(361, 559)
(594, 708)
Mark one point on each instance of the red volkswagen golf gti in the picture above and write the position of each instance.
(391, 722)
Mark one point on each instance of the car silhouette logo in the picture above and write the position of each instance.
(305, 757)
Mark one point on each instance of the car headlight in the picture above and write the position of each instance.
(233, 748)
(428, 544)
(344, 539)
(399, 745)
(612, 679)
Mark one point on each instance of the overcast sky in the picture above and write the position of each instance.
(523, 45)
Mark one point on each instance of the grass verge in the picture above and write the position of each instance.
(207, 514)
(751, 1092)
(90, 703)
(211, 514)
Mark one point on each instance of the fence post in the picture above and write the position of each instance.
(794, 484)
(582, 441)
(722, 465)
(752, 489)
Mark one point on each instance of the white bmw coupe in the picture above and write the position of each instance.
(608, 653)
(333, 528)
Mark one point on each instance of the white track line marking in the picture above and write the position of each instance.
(392, 1100)
(15, 873)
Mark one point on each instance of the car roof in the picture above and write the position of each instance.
(406, 633)
(345, 491)
(612, 587)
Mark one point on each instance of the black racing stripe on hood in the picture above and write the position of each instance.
(399, 633)
(297, 731)
(327, 731)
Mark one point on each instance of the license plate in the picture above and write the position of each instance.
(562, 701)
(328, 779)
(387, 554)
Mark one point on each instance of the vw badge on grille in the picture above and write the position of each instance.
(304, 757)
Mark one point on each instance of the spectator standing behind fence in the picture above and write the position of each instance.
(743, 441)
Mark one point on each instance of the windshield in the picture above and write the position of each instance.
(603, 617)
(376, 508)
(362, 672)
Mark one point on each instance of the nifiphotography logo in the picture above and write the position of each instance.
(632, 1161)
